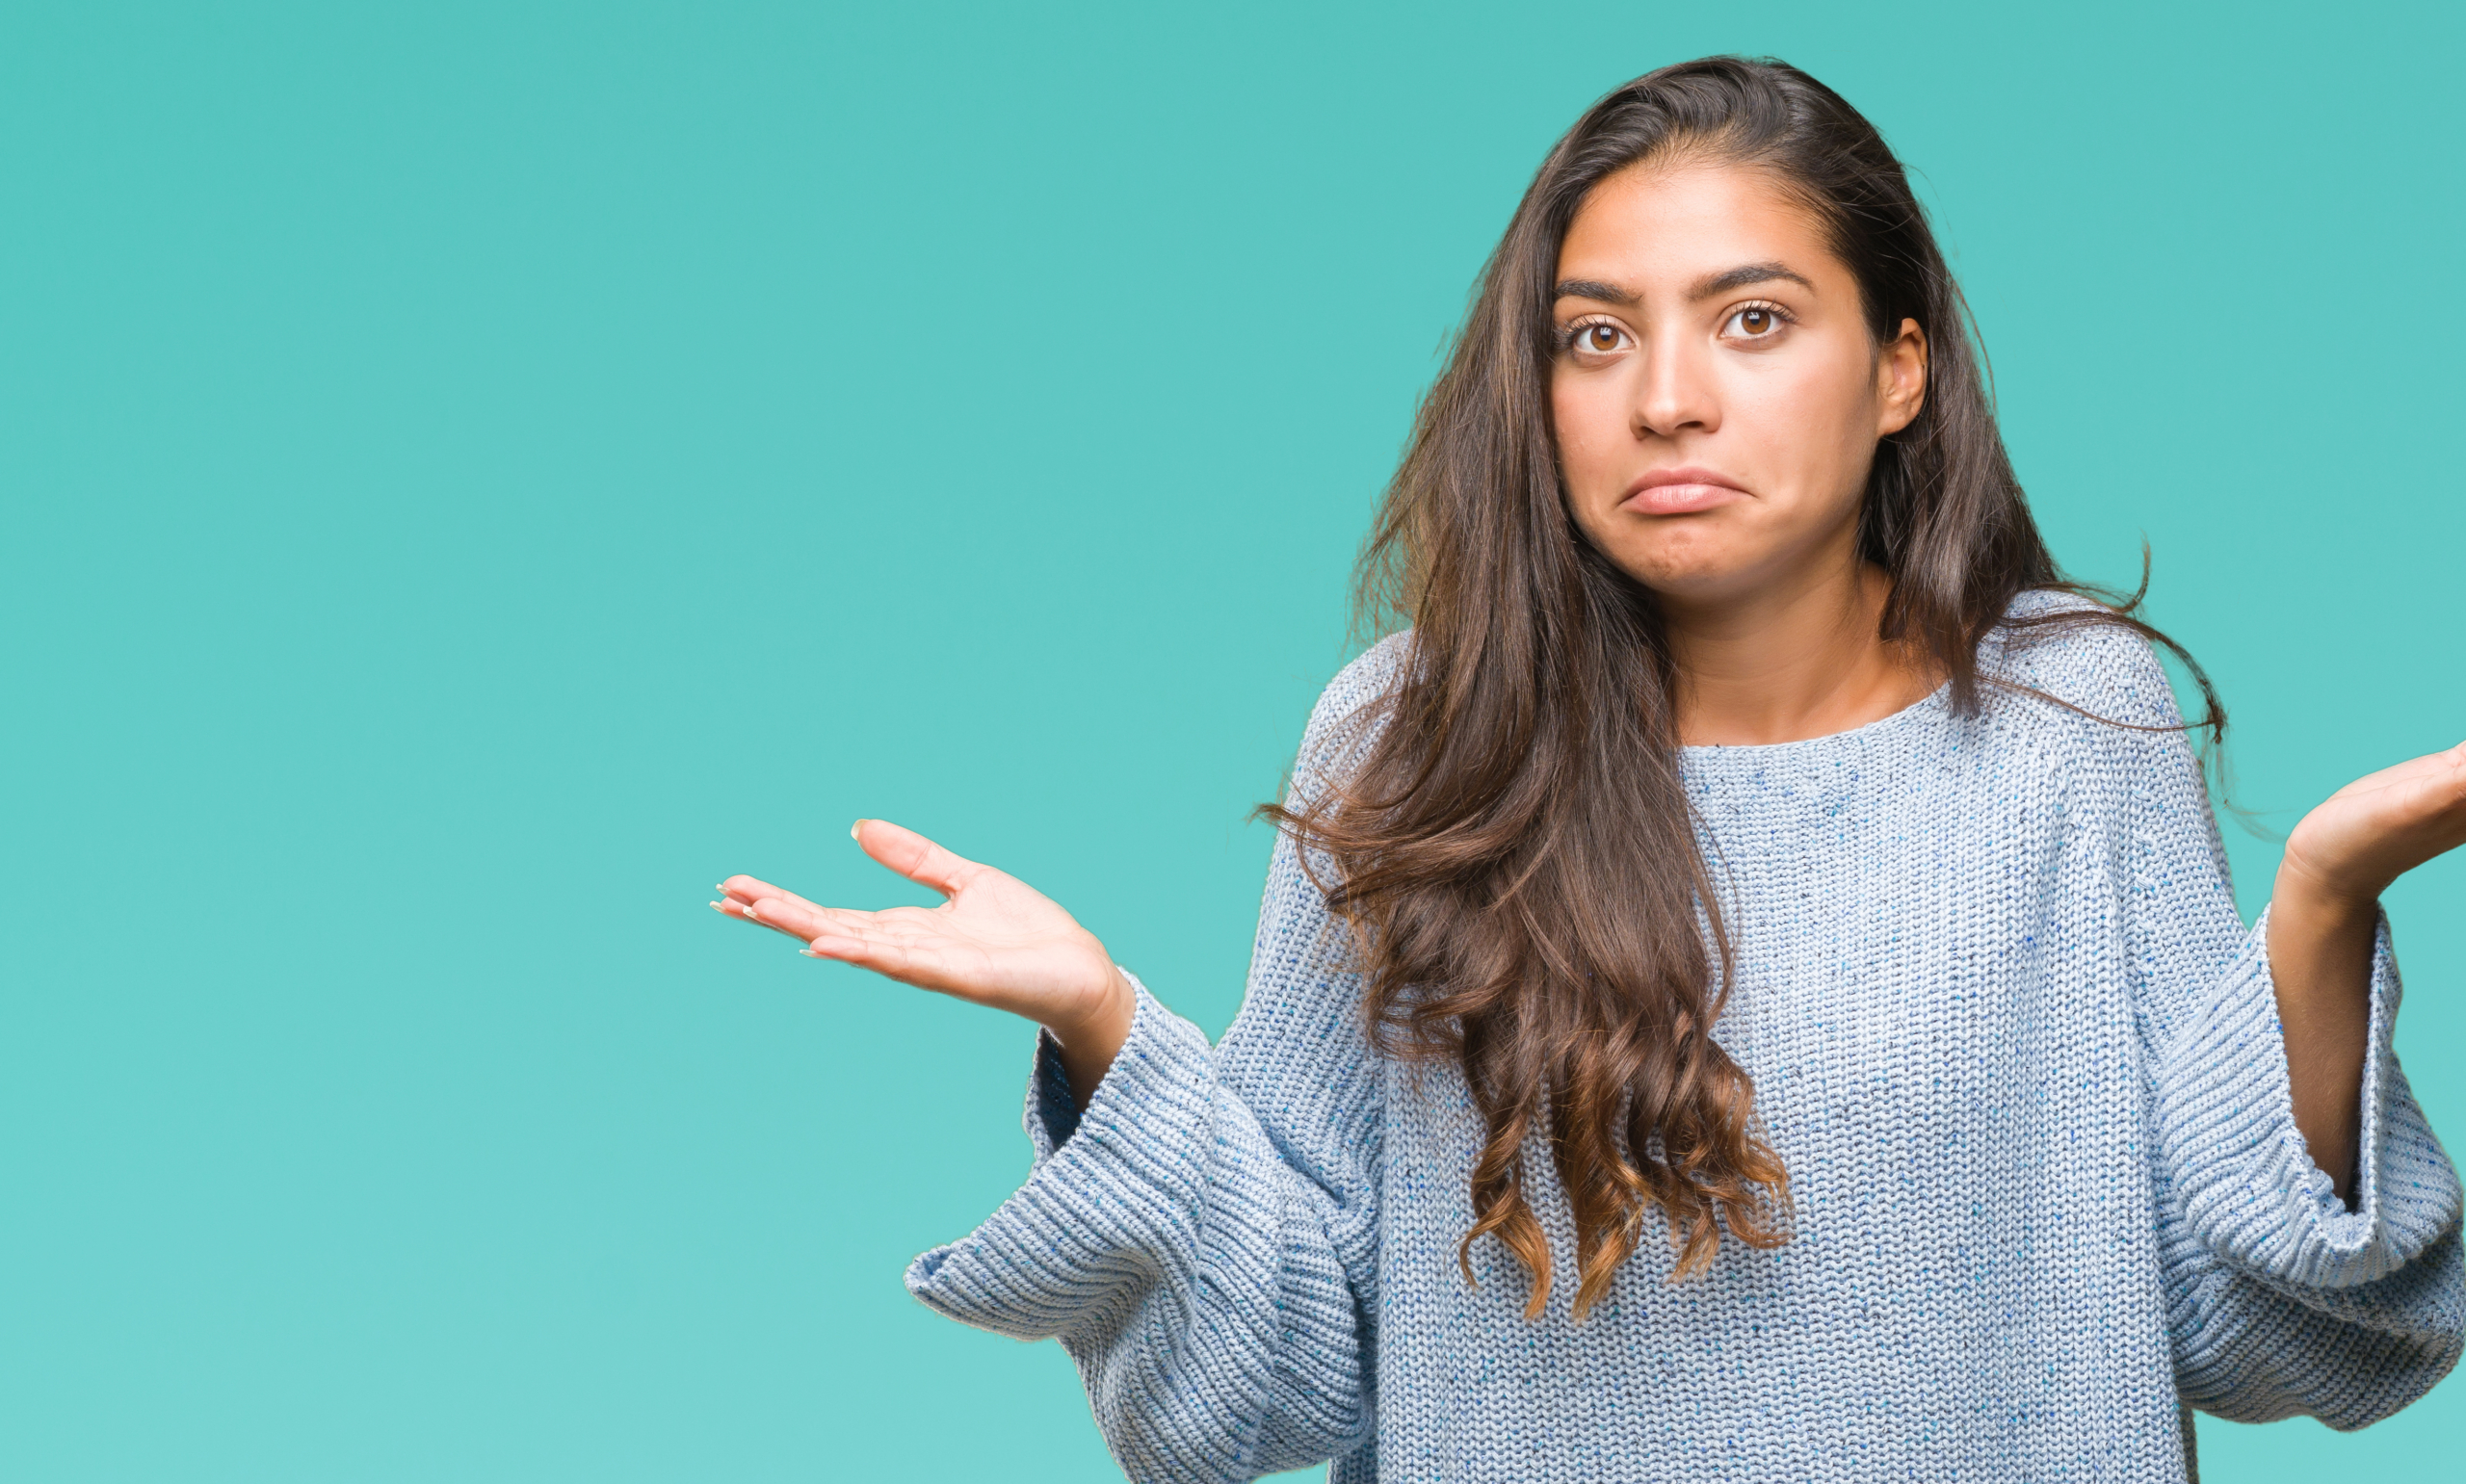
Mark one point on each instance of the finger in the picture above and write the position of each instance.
(917, 964)
(912, 855)
(2432, 782)
(2432, 768)
(2456, 781)
(775, 917)
(743, 896)
(744, 889)
(803, 920)
(751, 913)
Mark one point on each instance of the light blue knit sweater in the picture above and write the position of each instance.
(2007, 1029)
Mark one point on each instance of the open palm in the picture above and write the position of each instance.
(996, 940)
(2381, 826)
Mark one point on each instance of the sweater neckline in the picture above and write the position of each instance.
(1932, 702)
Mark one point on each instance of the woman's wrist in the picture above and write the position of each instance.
(2325, 897)
(1091, 1040)
(2302, 906)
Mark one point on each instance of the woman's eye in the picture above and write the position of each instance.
(1754, 323)
(1600, 339)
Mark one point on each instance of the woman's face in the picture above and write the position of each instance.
(1717, 397)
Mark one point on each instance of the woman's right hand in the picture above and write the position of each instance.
(996, 940)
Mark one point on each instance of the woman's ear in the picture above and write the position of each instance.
(1901, 379)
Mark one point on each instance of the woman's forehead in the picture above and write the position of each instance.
(1669, 226)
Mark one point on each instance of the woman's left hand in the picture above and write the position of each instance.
(2378, 828)
(2323, 916)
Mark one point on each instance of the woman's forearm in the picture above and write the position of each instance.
(2323, 918)
(2319, 948)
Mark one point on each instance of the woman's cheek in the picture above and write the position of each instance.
(1585, 447)
(1797, 429)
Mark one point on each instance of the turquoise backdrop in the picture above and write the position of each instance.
(475, 473)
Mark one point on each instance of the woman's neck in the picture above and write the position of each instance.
(1795, 660)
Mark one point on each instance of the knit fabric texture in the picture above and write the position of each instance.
(2020, 1055)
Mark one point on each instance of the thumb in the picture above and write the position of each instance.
(912, 855)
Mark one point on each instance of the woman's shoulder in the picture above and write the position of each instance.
(1351, 708)
(2081, 652)
(1369, 676)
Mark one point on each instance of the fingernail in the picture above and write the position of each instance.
(716, 907)
(853, 828)
(753, 911)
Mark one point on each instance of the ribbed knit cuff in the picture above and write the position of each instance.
(1123, 1176)
(2249, 1187)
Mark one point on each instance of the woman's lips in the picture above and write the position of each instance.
(1680, 492)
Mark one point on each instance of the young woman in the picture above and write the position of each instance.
(1747, 984)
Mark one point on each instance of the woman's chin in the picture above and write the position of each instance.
(1697, 576)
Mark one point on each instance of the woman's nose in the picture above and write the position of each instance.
(1675, 393)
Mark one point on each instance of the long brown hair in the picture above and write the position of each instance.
(1515, 848)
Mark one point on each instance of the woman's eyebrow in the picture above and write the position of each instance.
(1593, 288)
(1741, 277)
(1705, 288)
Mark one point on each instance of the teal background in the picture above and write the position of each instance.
(477, 473)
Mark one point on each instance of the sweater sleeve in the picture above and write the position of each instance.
(1202, 1238)
(2280, 1299)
